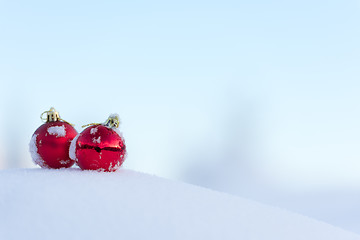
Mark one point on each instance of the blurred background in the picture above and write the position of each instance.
(253, 98)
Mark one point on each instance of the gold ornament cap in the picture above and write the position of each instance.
(51, 116)
(113, 121)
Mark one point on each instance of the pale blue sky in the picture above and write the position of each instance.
(179, 72)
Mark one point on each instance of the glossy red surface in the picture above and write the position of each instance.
(52, 148)
(100, 148)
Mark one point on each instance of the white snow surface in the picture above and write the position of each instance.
(58, 131)
(75, 204)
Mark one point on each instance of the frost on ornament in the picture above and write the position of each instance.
(72, 149)
(34, 152)
(58, 131)
(96, 140)
(65, 161)
(93, 130)
(115, 167)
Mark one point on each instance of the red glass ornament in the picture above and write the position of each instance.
(100, 148)
(50, 143)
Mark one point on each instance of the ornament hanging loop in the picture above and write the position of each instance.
(90, 124)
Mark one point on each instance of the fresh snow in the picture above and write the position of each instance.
(34, 152)
(74, 204)
(58, 131)
(72, 148)
(114, 115)
(65, 161)
(93, 130)
(97, 140)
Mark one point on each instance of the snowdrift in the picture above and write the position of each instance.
(75, 204)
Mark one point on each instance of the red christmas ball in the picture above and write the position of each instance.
(50, 143)
(100, 148)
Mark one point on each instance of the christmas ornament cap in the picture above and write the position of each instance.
(113, 121)
(52, 116)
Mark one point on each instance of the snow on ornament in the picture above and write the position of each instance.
(99, 147)
(50, 143)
